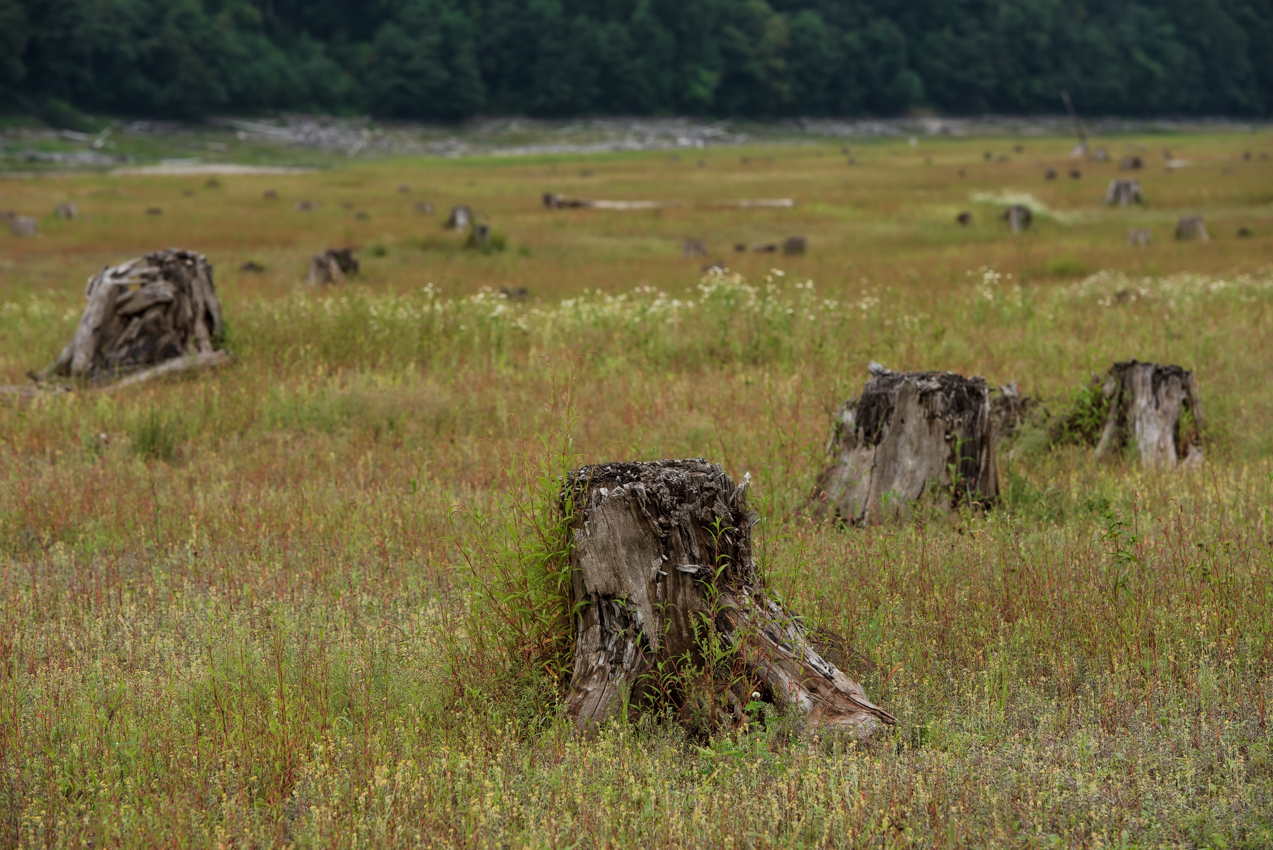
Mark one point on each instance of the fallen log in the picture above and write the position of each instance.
(911, 438)
(664, 579)
(141, 313)
(1155, 409)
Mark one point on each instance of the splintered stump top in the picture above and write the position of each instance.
(662, 561)
(898, 443)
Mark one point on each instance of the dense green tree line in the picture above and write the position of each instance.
(448, 59)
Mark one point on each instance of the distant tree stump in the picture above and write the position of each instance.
(1123, 192)
(172, 312)
(1131, 163)
(424, 208)
(1019, 217)
(794, 245)
(23, 225)
(911, 437)
(693, 248)
(1050, 174)
(305, 206)
(1192, 227)
(662, 560)
(1156, 409)
(554, 201)
(1139, 237)
(479, 236)
(459, 219)
(67, 211)
(964, 219)
(331, 266)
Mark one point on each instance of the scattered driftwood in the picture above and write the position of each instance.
(1008, 411)
(964, 219)
(560, 202)
(331, 266)
(662, 567)
(1154, 408)
(461, 218)
(1019, 217)
(424, 208)
(1139, 237)
(144, 312)
(794, 245)
(67, 211)
(899, 443)
(1131, 163)
(1123, 192)
(693, 248)
(305, 206)
(23, 225)
(1192, 227)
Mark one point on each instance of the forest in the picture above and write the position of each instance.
(447, 60)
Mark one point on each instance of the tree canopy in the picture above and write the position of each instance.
(450, 59)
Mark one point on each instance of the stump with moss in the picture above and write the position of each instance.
(911, 438)
(669, 596)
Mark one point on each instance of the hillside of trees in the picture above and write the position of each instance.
(450, 59)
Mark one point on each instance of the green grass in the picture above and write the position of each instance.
(309, 600)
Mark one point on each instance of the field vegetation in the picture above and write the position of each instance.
(296, 602)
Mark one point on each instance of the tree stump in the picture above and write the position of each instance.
(794, 245)
(148, 310)
(479, 236)
(964, 219)
(331, 266)
(1019, 217)
(693, 248)
(1123, 192)
(1139, 237)
(1156, 409)
(1192, 227)
(553, 201)
(662, 563)
(459, 219)
(23, 225)
(67, 211)
(1131, 163)
(1050, 174)
(305, 206)
(910, 438)
(424, 208)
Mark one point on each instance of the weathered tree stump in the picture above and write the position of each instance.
(662, 562)
(424, 208)
(910, 438)
(479, 236)
(1131, 163)
(964, 219)
(305, 206)
(1192, 227)
(1123, 192)
(553, 201)
(1050, 174)
(794, 245)
(1156, 409)
(156, 308)
(23, 225)
(459, 219)
(1139, 237)
(331, 266)
(67, 211)
(693, 248)
(1019, 217)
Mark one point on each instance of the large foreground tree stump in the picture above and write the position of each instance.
(1156, 409)
(662, 561)
(143, 312)
(910, 438)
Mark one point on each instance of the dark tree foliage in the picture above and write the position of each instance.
(450, 59)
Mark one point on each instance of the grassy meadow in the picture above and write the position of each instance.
(280, 605)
